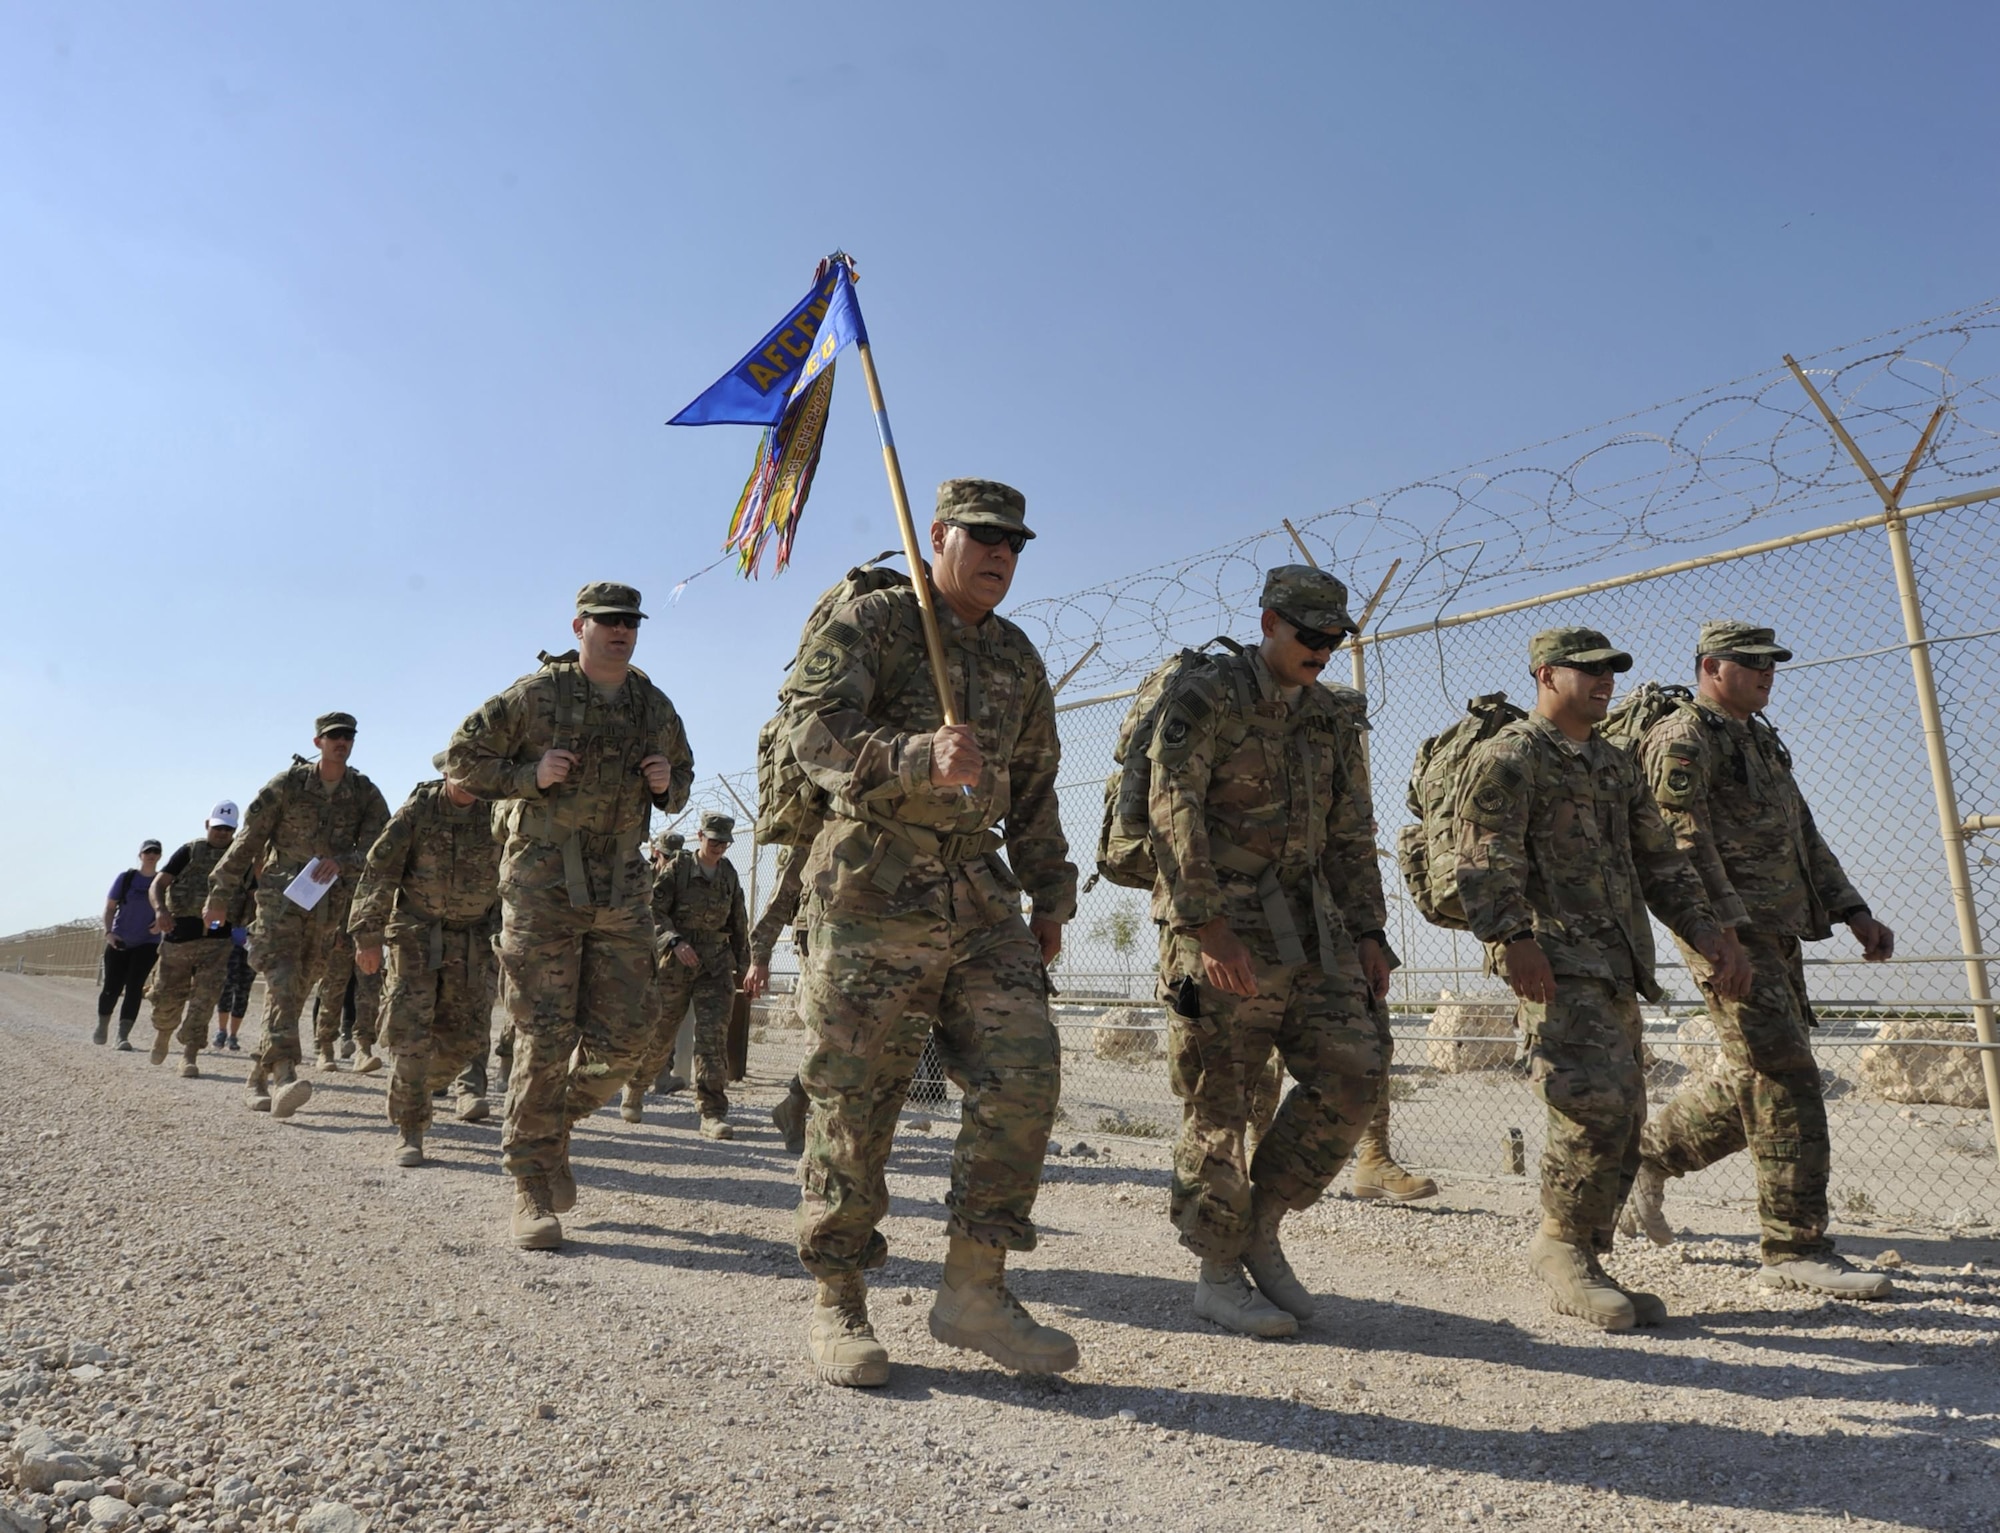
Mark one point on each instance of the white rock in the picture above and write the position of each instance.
(1490, 1023)
(41, 1470)
(232, 1493)
(23, 1383)
(109, 1512)
(1897, 1072)
(18, 1519)
(87, 1352)
(86, 1373)
(157, 1490)
(332, 1517)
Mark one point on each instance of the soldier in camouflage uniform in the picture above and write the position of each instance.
(1561, 852)
(322, 810)
(194, 957)
(1270, 908)
(662, 1030)
(703, 948)
(431, 894)
(1724, 783)
(779, 912)
(332, 1038)
(582, 751)
(914, 914)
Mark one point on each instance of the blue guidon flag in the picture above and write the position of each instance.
(785, 385)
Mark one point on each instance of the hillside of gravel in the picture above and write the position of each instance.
(217, 1323)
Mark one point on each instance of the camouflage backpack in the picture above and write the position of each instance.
(1124, 846)
(1426, 851)
(1649, 702)
(790, 806)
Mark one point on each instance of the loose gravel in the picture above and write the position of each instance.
(216, 1323)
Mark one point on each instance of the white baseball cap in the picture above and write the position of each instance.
(223, 813)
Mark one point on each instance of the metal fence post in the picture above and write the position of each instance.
(1951, 830)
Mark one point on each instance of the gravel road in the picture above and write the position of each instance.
(235, 1324)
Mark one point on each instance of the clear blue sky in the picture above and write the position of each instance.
(335, 342)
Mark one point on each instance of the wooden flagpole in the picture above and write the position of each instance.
(933, 636)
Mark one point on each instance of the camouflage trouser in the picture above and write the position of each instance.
(710, 996)
(1268, 1084)
(187, 984)
(333, 997)
(866, 995)
(499, 1032)
(1766, 1096)
(293, 949)
(576, 988)
(435, 1021)
(1583, 1062)
(1320, 1025)
(666, 1008)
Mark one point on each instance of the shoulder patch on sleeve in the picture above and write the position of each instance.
(819, 664)
(1679, 779)
(1491, 798)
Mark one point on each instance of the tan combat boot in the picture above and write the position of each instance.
(1645, 1211)
(163, 1039)
(1827, 1273)
(257, 1090)
(289, 1092)
(1376, 1173)
(1577, 1286)
(974, 1310)
(190, 1068)
(839, 1337)
(324, 1060)
(632, 1103)
(790, 1116)
(1265, 1258)
(534, 1225)
(473, 1108)
(369, 1062)
(1224, 1295)
(411, 1151)
(1647, 1308)
(562, 1186)
(717, 1128)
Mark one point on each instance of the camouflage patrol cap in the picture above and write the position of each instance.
(669, 841)
(1307, 598)
(983, 503)
(1727, 636)
(718, 827)
(602, 598)
(1574, 646)
(327, 723)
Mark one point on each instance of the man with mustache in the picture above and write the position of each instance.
(1724, 782)
(1561, 852)
(1271, 916)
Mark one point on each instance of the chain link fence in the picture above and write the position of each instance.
(1735, 502)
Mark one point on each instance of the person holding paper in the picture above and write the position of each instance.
(321, 813)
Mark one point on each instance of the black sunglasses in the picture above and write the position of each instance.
(336, 734)
(993, 537)
(1313, 638)
(616, 619)
(1589, 667)
(1751, 662)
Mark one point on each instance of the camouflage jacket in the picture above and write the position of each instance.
(1726, 788)
(436, 864)
(1287, 784)
(1563, 839)
(706, 913)
(296, 817)
(782, 908)
(188, 889)
(862, 709)
(582, 835)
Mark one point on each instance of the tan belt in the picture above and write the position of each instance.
(1278, 909)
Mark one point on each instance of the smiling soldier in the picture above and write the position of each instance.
(1561, 852)
(917, 916)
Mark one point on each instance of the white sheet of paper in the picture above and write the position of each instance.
(304, 892)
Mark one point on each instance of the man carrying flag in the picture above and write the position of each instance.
(920, 918)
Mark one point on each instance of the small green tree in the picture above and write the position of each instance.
(1119, 927)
